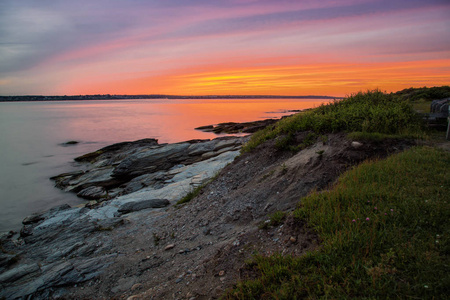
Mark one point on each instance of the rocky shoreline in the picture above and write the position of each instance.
(130, 241)
(67, 245)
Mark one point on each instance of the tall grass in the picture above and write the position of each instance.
(372, 111)
(385, 234)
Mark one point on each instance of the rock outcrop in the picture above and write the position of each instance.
(126, 167)
(69, 245)
(132, 246)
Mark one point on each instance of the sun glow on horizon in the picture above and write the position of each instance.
(315, 79)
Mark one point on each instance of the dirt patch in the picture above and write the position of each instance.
(199, 250)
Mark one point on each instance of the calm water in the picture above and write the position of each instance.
(32, 133)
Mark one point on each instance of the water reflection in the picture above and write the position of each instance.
(32, 134)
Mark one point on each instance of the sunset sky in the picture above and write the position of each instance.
(202, 47)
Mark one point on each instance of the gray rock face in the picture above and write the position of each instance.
(92, 193)
(140, 205)
(155, 159)
(127, 167)
(69, 245)
(17, 273)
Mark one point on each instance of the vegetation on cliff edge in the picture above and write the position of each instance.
(384, 230)
(369, 112)
(383, 227)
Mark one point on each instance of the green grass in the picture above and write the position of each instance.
(384, 231)
(377, 137)
(422, 106)
(191, 195)
(372, 111)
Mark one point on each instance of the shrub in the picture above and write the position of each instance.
(372, 111)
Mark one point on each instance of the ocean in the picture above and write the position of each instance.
(33, 137)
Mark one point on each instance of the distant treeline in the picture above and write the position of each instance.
(424, 93)
(117, 97)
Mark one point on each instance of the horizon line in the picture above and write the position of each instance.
(158, 96)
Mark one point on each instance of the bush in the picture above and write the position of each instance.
(373, 112)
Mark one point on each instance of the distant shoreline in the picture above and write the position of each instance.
(122, 97)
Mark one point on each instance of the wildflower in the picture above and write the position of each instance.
(367, 219)
(385, 214)
(353, 220)
(375, 208)
(392, 209)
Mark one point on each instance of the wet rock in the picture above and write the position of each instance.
(7, 259)
(70, 143)
(92, 193)
(232, 127)
(137, 206)
(34, 218)
(17, 273)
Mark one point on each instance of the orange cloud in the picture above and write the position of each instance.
(337, 79)
(317, 79)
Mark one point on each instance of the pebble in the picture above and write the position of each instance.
(356, 145)
(221, 273)
(168, 247)
(136, 286)
(293, 239)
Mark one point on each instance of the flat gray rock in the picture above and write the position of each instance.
(140, 205)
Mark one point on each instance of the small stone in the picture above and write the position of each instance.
(136, 286)
(135, 297)
(356, 145)
(168, 247)
(180, 279)
(292, 239)
(221, 273)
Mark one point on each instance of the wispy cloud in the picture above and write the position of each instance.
(71, 45)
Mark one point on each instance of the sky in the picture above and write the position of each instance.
(205, 47)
